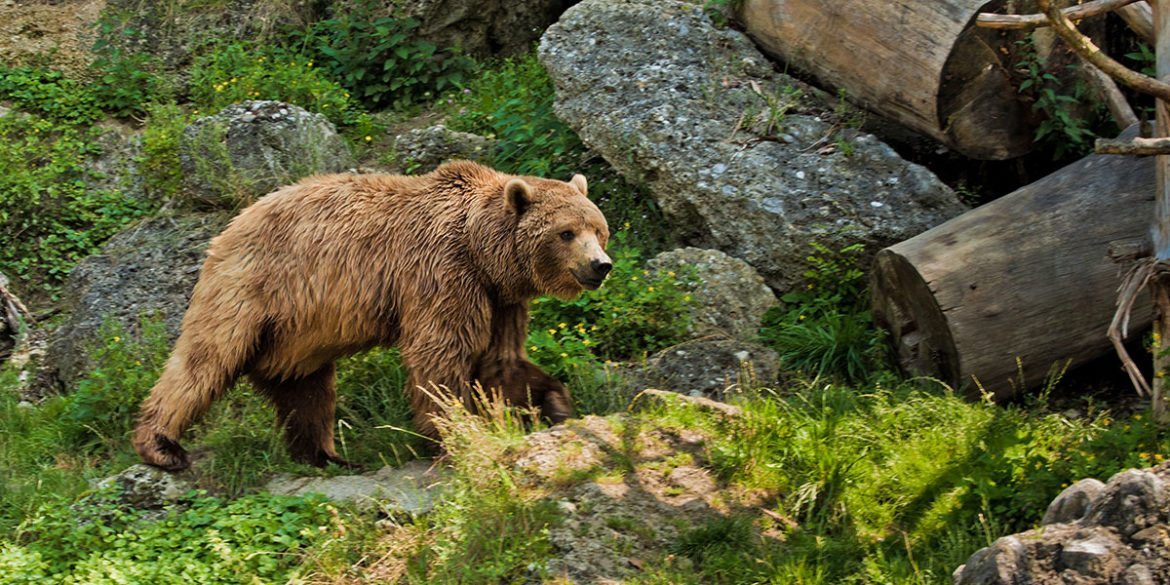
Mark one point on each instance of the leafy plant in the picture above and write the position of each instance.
(239, 71)
(380, 59)
(824, 327)
(126, 86)
(1066, 127)
(49, 94)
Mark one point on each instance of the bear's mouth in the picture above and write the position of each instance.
(589, 283)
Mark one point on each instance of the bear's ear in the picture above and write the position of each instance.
(517, 196)
(580, 183)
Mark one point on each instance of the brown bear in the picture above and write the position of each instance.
(441, 265)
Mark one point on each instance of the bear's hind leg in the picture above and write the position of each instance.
(195, 376)
(304, 406)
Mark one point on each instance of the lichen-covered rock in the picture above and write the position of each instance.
(735, 159)
(1117, 533)
(423, 150)
(728, 296)
(145, 487)
(711, 367)
(251, 148)
(148, 270)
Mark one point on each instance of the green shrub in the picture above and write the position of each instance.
(380, 59)
(825, 328)
(50, 216)
(239, 71)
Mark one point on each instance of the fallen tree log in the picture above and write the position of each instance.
(923, 64)
(1032, 277)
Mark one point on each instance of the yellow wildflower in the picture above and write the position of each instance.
(534, 348)
(649, 289)
(586, 343)
(563, 325)
(564, 355)
(552, 331)
(117, 339)
(369, 138)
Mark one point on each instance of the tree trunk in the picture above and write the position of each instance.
(939, 74)
(1029, 276)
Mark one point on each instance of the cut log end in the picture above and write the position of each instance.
(904, 305)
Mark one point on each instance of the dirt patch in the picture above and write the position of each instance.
(43, 33)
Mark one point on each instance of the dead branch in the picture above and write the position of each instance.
(1022, 21)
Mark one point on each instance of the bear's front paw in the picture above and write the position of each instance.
(165, 454)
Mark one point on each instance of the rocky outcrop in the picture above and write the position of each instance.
(422, 150)
(1116, 533)
(738, 157)
(251, 148)
(728, 297)
(148, 270)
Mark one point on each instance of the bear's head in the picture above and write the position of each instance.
(559, 233)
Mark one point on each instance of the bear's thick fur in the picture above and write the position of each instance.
(441, 265)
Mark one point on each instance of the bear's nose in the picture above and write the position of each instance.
(601, 267)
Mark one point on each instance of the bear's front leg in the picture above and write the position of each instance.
(440, 348)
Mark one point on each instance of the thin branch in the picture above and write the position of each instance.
(1133, 147)
(1084, 47)
(1019, 21)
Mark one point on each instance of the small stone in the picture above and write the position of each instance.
(1073, 503)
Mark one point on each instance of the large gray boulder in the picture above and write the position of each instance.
(252, 148)
(728, 296)
(1116, 533)
(148, 270)
(737, 158)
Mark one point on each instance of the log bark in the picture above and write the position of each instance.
(940, 74)
(1028, 277)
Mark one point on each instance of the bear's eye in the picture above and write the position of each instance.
(567, 235)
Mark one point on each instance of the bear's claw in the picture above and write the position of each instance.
(166, 454)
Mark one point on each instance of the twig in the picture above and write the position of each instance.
(1020, 21)
(1134, 282)
(1133, 147)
